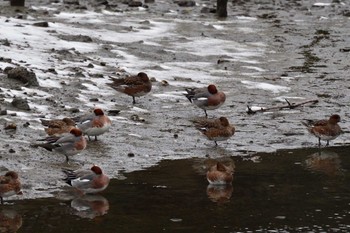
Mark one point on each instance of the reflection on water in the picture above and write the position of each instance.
(90, 206)
(219, 193)
(288, 191)
(327, 162)
(10, 220)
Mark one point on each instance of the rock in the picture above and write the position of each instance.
(186, 3)
(78, 38)
(23, 75)
(10, 126)
(20, 103)
(41, 24)
(134, 4)
(205, 10)
(113, 112)
(12, 151)
(5, 42)
(164, 83)
(137, 118)
(71, 2)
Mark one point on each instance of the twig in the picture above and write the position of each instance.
(288, 106)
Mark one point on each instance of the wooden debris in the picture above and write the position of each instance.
(280, 107)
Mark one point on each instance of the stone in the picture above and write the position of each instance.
(28, 78)
(20, 103)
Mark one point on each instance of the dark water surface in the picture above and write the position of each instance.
(294, 190)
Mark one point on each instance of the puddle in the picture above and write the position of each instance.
(291, 190)
(264, 53)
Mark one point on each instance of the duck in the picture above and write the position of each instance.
(57, 127)
(95, 124)
(207, 98)
(87, 181)
(134, 86)
(217, 129)
(9, 185)
(326, 129)
(68, 144)
(220, 174)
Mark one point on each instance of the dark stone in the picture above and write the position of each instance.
(71, 2)
(41, 24)
(23, 75)
(10, 126)
(78, 38)
(5, 42)
(74, 110)
(12, 151)
(52, 70)
(8, 60)
(186, 3)
(206, 10)
(113, 112)
(131, 155)
(20, 103)
(134, 4)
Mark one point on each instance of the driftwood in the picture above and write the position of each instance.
(288, 106)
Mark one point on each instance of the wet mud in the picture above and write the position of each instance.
(267, 51)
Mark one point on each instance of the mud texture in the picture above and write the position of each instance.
(299, 45)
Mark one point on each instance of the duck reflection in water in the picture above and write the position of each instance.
(90, 206)
(327, 162)
(10, 220)
(220, 177)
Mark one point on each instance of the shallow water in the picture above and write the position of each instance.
(293, 190)
(263, 53)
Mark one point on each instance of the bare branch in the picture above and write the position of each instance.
(288, 106)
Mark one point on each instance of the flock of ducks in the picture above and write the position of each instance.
(67, 136)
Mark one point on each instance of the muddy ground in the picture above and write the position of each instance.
(301, 48)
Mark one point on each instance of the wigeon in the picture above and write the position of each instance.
(134, 86)
(220, 174)
(326, 130)
(220, 193)
(9, 185)
(69, 144)
(58, 127)
(215, 129)
(10, 221)
(326, 162)
(96, 124)
(90, 206)
(87, 181)
(208, 98)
